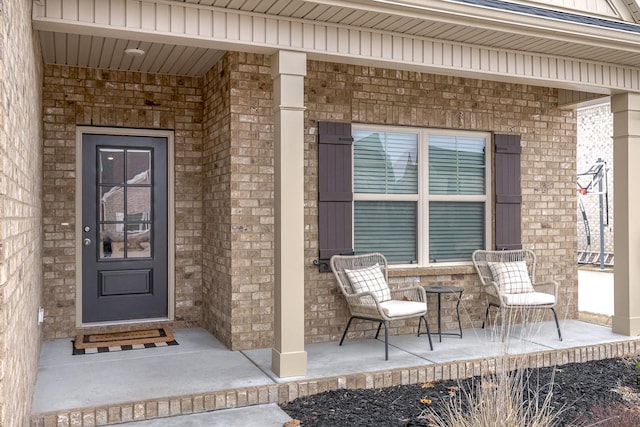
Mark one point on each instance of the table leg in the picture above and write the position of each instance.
(439, 319)
(458, 313)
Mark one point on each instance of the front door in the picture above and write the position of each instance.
(124, 228)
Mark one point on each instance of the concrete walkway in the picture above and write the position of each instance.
(595, 291)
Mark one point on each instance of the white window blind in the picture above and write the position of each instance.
(386, 172)
(456, 229)
(385, 163)
(456, 169)
(456, 165)
(387, 227)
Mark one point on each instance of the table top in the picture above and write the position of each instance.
(441, 289)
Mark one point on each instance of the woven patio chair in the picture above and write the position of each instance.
(363, 281)
(508, 279)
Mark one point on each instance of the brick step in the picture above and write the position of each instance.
(169, 406)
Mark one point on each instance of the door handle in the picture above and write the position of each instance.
(86, 242)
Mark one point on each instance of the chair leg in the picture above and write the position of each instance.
(505, 326)
(486, 315)
(380, 326)
(555, 316)
(386, 340)
(381, 323)
(344, 334)
(426, 324)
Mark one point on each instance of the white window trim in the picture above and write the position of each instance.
(423, 198)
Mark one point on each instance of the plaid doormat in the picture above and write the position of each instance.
(118, 341)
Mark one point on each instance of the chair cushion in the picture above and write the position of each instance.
(397, 308)
(529, 298)
(511, 277)
(369, 279)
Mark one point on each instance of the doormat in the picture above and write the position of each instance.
(118, 341)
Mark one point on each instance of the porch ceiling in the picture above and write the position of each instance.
(462, 21)
(104, 52)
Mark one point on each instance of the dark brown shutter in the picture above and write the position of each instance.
(508, 192)
(335, 195)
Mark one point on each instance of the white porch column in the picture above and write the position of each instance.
(626, 175)
(288, 357)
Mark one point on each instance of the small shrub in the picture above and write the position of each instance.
(511, 396)
(612, 414)
(504, 399)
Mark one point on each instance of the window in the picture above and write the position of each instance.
(420, 195)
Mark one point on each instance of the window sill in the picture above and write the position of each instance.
(430, 271)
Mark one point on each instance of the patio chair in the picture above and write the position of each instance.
(363, 281)
(508, 278)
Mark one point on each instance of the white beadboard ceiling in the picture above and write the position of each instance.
(103, 52)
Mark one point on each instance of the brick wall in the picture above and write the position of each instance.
(229, 242)
(252, 204)
(217, 252)
(20, 211)
(382, 96)
(595, 131)
(80, 96)
(225, 181)
(239, 202)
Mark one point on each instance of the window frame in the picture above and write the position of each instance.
(423, 198)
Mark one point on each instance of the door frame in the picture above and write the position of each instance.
(82, 130)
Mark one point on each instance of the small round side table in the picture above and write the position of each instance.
(439, 290)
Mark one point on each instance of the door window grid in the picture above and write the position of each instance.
(125, 207)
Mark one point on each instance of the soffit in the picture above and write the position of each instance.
(105, 52)
(471, 22)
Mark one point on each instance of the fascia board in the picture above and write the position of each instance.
(634, 9)
(452, 12)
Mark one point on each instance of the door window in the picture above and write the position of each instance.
(125, 205)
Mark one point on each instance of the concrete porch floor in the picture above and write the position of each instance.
(200, 375)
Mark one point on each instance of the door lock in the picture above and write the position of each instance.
(86, 242)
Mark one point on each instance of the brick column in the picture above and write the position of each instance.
(626, 176)
(288, 357)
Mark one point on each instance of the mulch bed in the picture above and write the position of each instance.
(580, 389)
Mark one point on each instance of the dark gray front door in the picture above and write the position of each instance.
(124, 227)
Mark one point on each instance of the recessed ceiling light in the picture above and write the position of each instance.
(132, 51)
